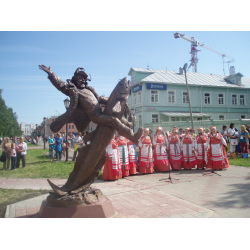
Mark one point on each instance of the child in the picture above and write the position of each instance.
(13, 156)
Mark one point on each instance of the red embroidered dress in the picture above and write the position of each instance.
(132, 155)
(174, 152)
(112, 170)
(217, 157)
(123, 150)
(188, 154)
(200, 144)
(146, 159)
(160, 153)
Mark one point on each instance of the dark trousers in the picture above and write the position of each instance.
(243, 146)
(76, 153)
(13, 162)
(23, 157)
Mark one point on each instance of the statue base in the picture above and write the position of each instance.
(89, 204)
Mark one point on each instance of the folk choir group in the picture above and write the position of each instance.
(162, 153)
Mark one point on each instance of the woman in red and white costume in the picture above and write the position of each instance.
(174, 150)
(112, 169)
(200, 144)
(160, 152)
(187, 148)
(132, 156)
(146, 159)
(123, 150)
(217, 157)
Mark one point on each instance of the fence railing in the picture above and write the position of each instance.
(168, 126)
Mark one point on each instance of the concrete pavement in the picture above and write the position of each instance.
(145, 196)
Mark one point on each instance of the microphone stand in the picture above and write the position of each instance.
(211, 172)
(169, 179)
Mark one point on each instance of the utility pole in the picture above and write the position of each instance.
(189, 101)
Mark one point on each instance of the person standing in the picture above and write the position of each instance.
(13, 156)
(243, 139)
(21, 150)
(224, 132)
(146, 158)
(187, 146)
(217, 157)
(112, 168)
(233, 139)
(78, 145)
(192, 133)
(7, 150)
(174, 150)
(132, 155)
(200, 143)
(51, 147)
(58, 146)
(123, 152)
(160, 152)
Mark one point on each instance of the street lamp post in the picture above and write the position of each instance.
(66, 104)
(189, 101)
(44, 119)
(133, 113)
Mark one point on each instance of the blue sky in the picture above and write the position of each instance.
(106, 55)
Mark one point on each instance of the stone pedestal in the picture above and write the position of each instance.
(98, 209)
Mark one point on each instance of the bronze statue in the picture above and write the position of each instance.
(85, 107)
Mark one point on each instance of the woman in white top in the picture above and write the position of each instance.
(231, 135)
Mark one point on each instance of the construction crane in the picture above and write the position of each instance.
(194, 44)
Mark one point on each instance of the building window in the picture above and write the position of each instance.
(221, 117)
(134, 98)
(134, 79)
(73, 126)
(69, 126)
(173, 119)
(154, 96)
(184, 97)
(140, 121)
(171, 97)
(207, 98)
(155, 118)
(139, 97)
(242, 100)
(234, 99)
(199, 118)
(221, 99)
(243, 117)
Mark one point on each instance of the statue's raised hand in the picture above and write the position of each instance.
(44, 68)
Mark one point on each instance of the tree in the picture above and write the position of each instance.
(8, 120)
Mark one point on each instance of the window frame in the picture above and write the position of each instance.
(152, 118)
(174, 96)
(244, 99)
(134, 101)
(182, 97)
(154, 94)
(138, 96)
(223, 118)
(210, 96)
(232, 100)
(243, 118)
(224, 99)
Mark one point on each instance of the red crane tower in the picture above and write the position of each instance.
(194, 45)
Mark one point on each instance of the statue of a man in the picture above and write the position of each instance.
(85, 105)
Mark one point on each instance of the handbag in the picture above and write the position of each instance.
(233, 142)
(3, 157)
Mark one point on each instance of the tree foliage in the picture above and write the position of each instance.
(8, 120)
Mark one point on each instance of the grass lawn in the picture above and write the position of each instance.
(32, 145)
(10, 196)
(38, 165)
(239, 161)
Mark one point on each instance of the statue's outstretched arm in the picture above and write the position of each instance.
(55, 80)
